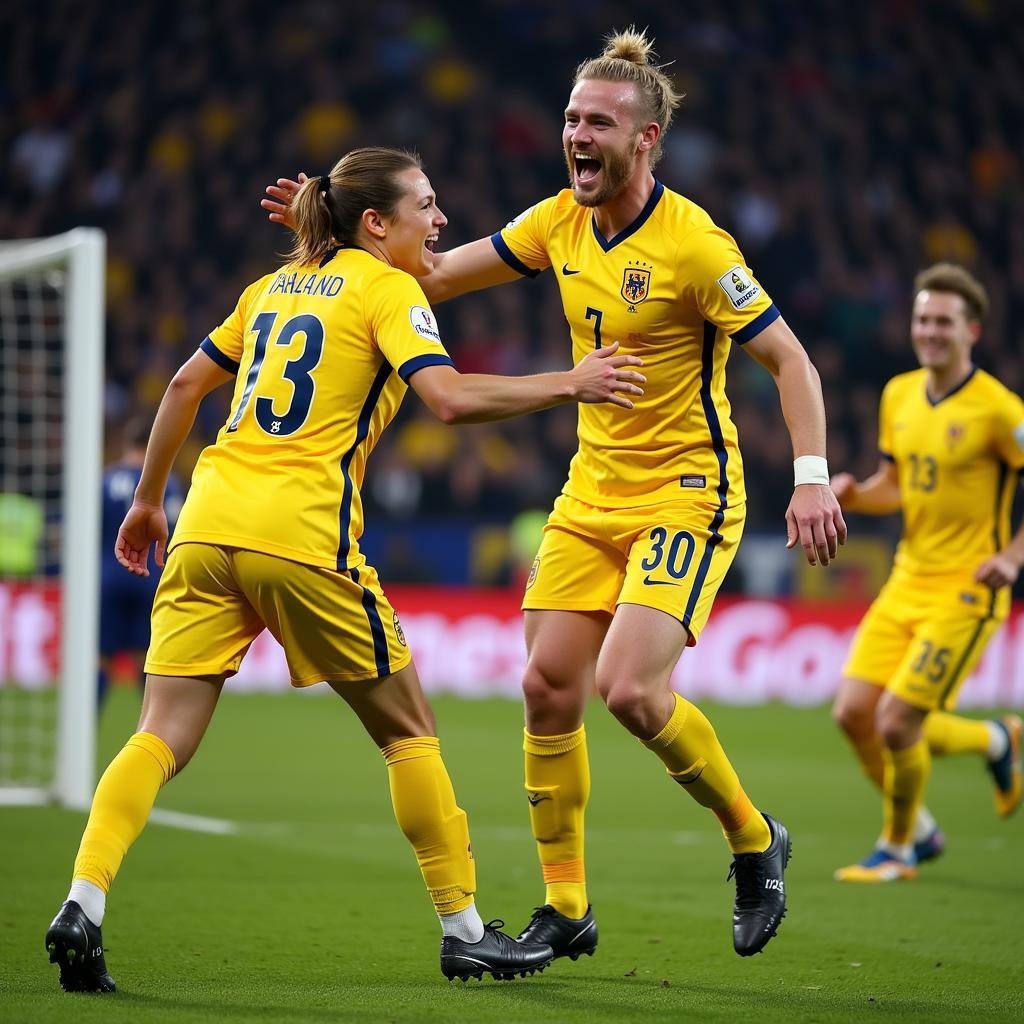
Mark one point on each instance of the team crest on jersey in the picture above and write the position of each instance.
(533, 572)
(636, 284)
(398, 632)
(954, 435)
(424, 324)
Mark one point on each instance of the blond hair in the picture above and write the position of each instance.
(628, 57)
(328, 212)
(953, 279)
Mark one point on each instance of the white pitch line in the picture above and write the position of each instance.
(193, 822)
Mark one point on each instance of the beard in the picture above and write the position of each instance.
(615, 170)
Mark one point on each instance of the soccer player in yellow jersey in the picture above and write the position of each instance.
(952, 444)
(648, 523)
(320, 354)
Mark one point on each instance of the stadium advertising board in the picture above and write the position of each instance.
(469, 641)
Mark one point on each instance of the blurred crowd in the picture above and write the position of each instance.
(845, 146)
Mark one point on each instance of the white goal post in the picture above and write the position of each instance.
(51, 410)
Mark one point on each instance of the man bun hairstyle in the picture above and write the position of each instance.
(954, 279)
(328, 210)
(629, 56)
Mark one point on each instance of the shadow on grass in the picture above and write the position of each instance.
(591, 999)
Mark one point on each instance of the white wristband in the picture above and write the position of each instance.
(810, 469)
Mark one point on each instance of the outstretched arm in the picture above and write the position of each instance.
(879, 495)
(813, 519)
(146, 522)
(601, 376)
(466, 268)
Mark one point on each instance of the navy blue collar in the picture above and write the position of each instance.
(952, 391)
(641, 219)
(335, 249)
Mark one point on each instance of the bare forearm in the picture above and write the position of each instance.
(172, 425)
(802, 405)
(481, 398)
(878, 495)
(466, 268)
(1015, 549)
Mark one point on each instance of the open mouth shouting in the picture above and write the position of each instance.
(586, 167)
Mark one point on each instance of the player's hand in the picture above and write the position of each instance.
(843, 487)
(999, 570)
(600, 376)
(815, 521)
(144, 525)
(279, 206)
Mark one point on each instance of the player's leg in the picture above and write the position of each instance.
(676, 564)
(113, 608)
(878, 649)
(636, 663)
(175, 714)
(200, 633)
(942, 654)
(907, 768)
(996, 740)
(855, 711)
(339, 626)
(562, 650)
(103, 679)
(633, 674)
(398, 718)
(568, 602)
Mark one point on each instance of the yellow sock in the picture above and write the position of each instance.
(952, 734)
(121, 806)
(869, 752)
(906, 779)
(558, 787)
(435, 825)
(695, 759)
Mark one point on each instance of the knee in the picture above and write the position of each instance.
(183, 748)
(626, 699)
(546, 697)
(897, 725)
(854, 721)
(855, 718)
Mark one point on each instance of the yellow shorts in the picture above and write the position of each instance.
(921, 638)
(671, 556)
(213, 601)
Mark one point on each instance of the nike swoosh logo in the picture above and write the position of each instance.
(566, 271)
(648, 582)
(534, 800)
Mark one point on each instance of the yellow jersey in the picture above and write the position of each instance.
(671, 288)
(323, 355)
(958, 459)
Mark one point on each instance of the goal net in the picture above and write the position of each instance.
(51, 422)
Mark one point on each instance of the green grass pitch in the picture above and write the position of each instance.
(313, 911)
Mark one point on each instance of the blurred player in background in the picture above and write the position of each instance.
(647, 525)
(320, 354)
(126, 602)
(952, 444)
